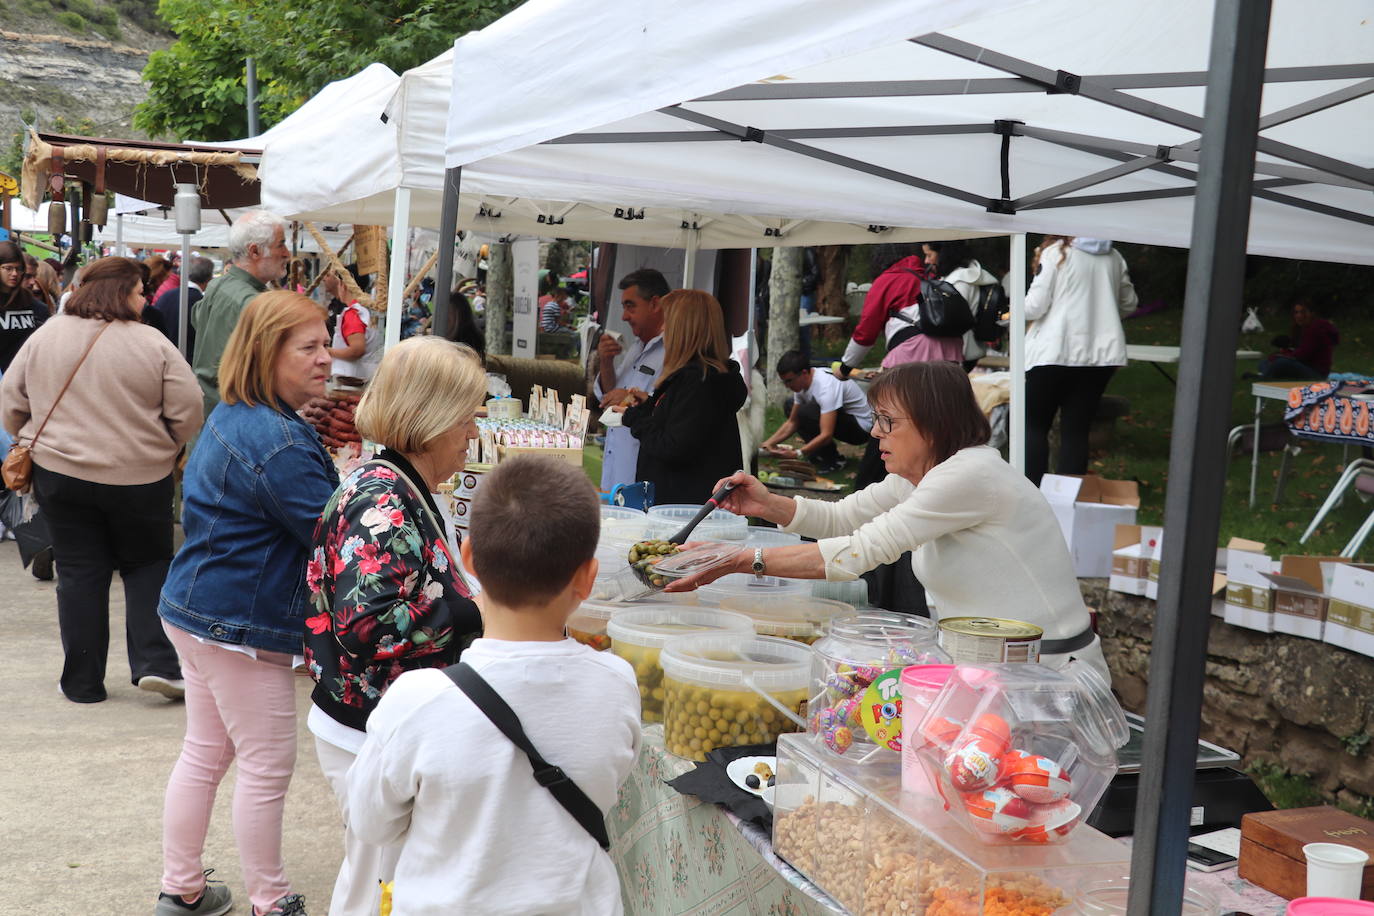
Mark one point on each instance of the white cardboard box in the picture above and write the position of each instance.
(1134, 547)
(1350, 613)
(1089, 509)
(1249, 595)
(1300, 596)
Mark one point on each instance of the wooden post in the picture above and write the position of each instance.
(334, 263)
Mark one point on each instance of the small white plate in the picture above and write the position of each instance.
(741, 767)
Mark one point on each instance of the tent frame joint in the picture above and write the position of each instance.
(1164, 153)
(1001, 205)
(1065, 83)
(752, 135)
(1006, 128)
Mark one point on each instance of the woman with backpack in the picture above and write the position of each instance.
(954, 262)
(1074, 342)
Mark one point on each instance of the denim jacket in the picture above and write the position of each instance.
(251, 496)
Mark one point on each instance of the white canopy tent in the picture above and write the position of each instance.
(956, 129)
(143, 224)
(1055, 116)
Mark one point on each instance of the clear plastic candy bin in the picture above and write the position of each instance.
(877, 851)
(868, 647)
(1020, 753)
(638, 635)
(720, 525)
(727, 690)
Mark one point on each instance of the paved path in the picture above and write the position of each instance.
(81, 785)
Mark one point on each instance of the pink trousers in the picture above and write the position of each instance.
(236, 707)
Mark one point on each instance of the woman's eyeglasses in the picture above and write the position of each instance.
(885, 422)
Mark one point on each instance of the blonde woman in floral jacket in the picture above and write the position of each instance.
(388, 595)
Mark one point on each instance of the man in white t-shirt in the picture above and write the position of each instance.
(822, 408)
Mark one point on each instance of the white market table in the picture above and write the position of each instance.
(1271, 391)
(1161, 356)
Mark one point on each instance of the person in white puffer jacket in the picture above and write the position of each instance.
(1074, 342)
(954, 262)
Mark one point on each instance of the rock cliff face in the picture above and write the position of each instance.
(69, 77)
(1268, 696)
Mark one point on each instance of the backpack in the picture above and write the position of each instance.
(943, 312)
(993, 302)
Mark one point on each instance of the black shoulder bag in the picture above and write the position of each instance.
(582, 808)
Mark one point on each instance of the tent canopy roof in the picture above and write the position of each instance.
(1048, 117)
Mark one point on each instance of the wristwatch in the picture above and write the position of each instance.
(758, 561)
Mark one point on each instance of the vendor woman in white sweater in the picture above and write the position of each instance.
(984, 542)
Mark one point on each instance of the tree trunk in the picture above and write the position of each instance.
(500, 293)
(833, 261)
(784, 313)
(558, 261)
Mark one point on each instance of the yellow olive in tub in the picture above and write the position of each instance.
(698, 719)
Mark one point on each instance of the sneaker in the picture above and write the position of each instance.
(173, 688)
(42, 567)
(215, 900)
(290, 905)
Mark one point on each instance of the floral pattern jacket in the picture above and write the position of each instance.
(385, 589)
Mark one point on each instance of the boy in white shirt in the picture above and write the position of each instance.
(479, 834)
(822, 408)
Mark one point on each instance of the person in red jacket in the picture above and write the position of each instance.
(895, 293)
(1307, 351)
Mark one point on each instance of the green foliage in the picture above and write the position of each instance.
(1284, 789)
(1355, 744)
(142, 13)
(69, 20)
(197, 86)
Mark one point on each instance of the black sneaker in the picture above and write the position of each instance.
(290, 905)
(42, 567)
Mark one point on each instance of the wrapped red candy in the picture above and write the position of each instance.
(975, 764)
(1050, 823)
(998, 810)
(1036, 779)
(994, 730)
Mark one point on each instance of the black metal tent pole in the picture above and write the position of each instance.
(448, 231)
(1197, 456)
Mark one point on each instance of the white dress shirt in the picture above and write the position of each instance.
(638, 367)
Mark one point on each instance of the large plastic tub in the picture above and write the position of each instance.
(638, 635)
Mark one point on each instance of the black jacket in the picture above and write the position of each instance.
(688, 436)
(20, 315)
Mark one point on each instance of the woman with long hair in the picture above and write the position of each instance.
(1074, 343)
(687, 432)
(236, 600)
(21, 310)
(103, 469)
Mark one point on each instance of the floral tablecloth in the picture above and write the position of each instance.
(678, 855)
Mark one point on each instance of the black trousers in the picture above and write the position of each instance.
(1073, 392)
(847, 429)
(97, 529)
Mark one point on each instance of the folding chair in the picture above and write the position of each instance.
(1353, 474)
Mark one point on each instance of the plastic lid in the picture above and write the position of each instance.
(652, 627)
(747, 585)
(697, 559)
(600, 610)
(926, 677)
(881, 637)
(1329, 906)
(621, 512)
(736, 661)
(819, 611)
(719, 525)
(759, 536)
(682, 511)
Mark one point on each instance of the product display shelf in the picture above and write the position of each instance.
(877, 851)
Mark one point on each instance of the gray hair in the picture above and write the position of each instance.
(202, 269)
(255, 227)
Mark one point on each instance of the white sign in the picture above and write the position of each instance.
(525, 298)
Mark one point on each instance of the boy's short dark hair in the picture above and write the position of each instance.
(650, 282)
(792, 363)
(535, 521)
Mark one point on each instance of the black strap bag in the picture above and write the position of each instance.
(943, 312)
(582, 808)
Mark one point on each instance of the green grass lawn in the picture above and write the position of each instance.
(1140, 448)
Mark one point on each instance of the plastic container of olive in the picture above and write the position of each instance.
(716, 691)
(803, 619)
(588, 623)
(638, 635)
(748, 585)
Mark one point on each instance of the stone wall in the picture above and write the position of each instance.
(71, 77)
(1303, 704)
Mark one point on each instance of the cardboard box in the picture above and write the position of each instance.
(1133, 548)
(1249, 593)
(1350, 612)
(1271, 845)
(571, 456)
(1089, 509)
(1300, 596)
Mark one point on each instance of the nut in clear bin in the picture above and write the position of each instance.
(1019, 753)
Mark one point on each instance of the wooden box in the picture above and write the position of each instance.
(1271, 845)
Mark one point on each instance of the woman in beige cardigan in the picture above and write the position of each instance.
(103, 469)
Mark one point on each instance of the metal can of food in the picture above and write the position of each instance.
(982, 640)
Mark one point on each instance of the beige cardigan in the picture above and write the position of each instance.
(131, 406)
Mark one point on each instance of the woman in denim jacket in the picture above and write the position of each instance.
(235, 601)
